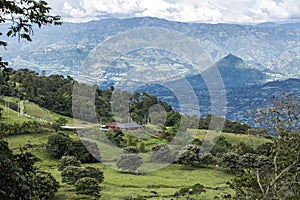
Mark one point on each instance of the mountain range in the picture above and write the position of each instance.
(253, 61)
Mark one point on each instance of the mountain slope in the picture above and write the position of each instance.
(62, 51)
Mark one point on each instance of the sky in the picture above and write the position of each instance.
(211, 11)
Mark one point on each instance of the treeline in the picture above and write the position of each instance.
(55, 93)
(21, 128)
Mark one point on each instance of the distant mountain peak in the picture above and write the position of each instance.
(231, 61)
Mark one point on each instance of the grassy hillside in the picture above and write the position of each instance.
(10, 115)
(118, 185)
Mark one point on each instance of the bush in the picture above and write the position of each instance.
(46, 185)
(71, 174)
(130, 162)
(191, 155)
(231, 161)
(66, 161)
(95, 173)
(88, 186)
(61, 144)
(58, 145)
(195, 189)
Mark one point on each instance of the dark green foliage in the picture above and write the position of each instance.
(56, 125)
(193, 155)
(190, 155)
(173, 118)
(66, 161)
(95, 173)
(21, 128)
(61, 144)
(248, 161)
(275, 173)
(88, 186)
(58, 145)
(117, 138)
(265, 149)
(71, 174)
(169, 134)
(195, 189)
(140, 104)
(231, 162)
(46, 185)
(229, 126)
(130, 162)
(15, 173)
(243, 148)
(1, 113)
(85, 151)
(221, 147)
(19, 179)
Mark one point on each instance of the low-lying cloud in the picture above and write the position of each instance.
(234, 11)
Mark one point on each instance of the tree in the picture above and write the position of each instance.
(189, 155)
(193, 155)
(46, 185)
(66, 161)
(276, 176)
(88, 186)
(61, 144)
(57, 124)
(72, 173)
(231, 161)
(21, 16)
(130, 162)
(20, 179)
(58, 144)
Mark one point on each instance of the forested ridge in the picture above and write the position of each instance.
(54, 93)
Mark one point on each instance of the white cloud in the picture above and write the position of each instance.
(240, 11)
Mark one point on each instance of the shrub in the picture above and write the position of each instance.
(88, 186)
(61, 144)
(66, 161)
(46, 185)
(130, 162)
(72, 173)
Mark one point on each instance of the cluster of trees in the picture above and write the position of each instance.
(61, 144)
(273, 174)
(85, 179)
(229, 126)
(21, 128)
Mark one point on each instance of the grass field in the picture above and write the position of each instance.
(118, 185)
(10, 116)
